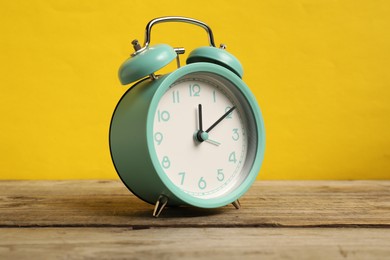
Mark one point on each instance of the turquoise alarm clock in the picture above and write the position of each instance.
(194, 136)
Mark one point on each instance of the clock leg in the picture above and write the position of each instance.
(237, 204)
(159, 206)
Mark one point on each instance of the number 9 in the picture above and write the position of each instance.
(158, 137)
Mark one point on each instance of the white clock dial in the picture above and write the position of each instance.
(215, 163)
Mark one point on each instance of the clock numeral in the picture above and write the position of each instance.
(235, 135)
(176, 96)
(165, 162)
(232, 157)
(182, 174)
(230, 115)
(194, 90)
(163, 116)
(158, 137)
(202, 183)
(220, 175)
(214, 96)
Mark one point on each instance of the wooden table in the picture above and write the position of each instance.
(278, 220)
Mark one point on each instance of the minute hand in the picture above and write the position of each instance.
(220, 119)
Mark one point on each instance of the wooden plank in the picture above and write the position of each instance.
(194, 243)
(267, 204)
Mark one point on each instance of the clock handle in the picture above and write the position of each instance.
(175, 19)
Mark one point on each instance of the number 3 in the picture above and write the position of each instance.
(235, 135)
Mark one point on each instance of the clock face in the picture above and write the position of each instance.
(203, 135)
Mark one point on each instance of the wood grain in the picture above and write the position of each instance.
(194, 243)
(278, 220)
(104, 203)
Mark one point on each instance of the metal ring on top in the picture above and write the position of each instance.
(174, 19)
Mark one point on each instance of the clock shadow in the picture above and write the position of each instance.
(184, 211)
(124, 209)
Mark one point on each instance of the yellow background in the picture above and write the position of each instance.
(320, 70)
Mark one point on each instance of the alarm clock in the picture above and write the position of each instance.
(194, 136)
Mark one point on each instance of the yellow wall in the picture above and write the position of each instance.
(320, 70)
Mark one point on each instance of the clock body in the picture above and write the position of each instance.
(154, 140)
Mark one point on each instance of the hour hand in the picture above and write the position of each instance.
(203, 136)
(200, 117)
(200, 135)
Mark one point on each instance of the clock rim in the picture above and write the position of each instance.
(259, 123)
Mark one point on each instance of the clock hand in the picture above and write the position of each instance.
(203, 135)
(200, 117)
(220, 119)
(213, 142)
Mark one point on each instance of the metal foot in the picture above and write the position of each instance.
(236, 204)
(159, 206)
